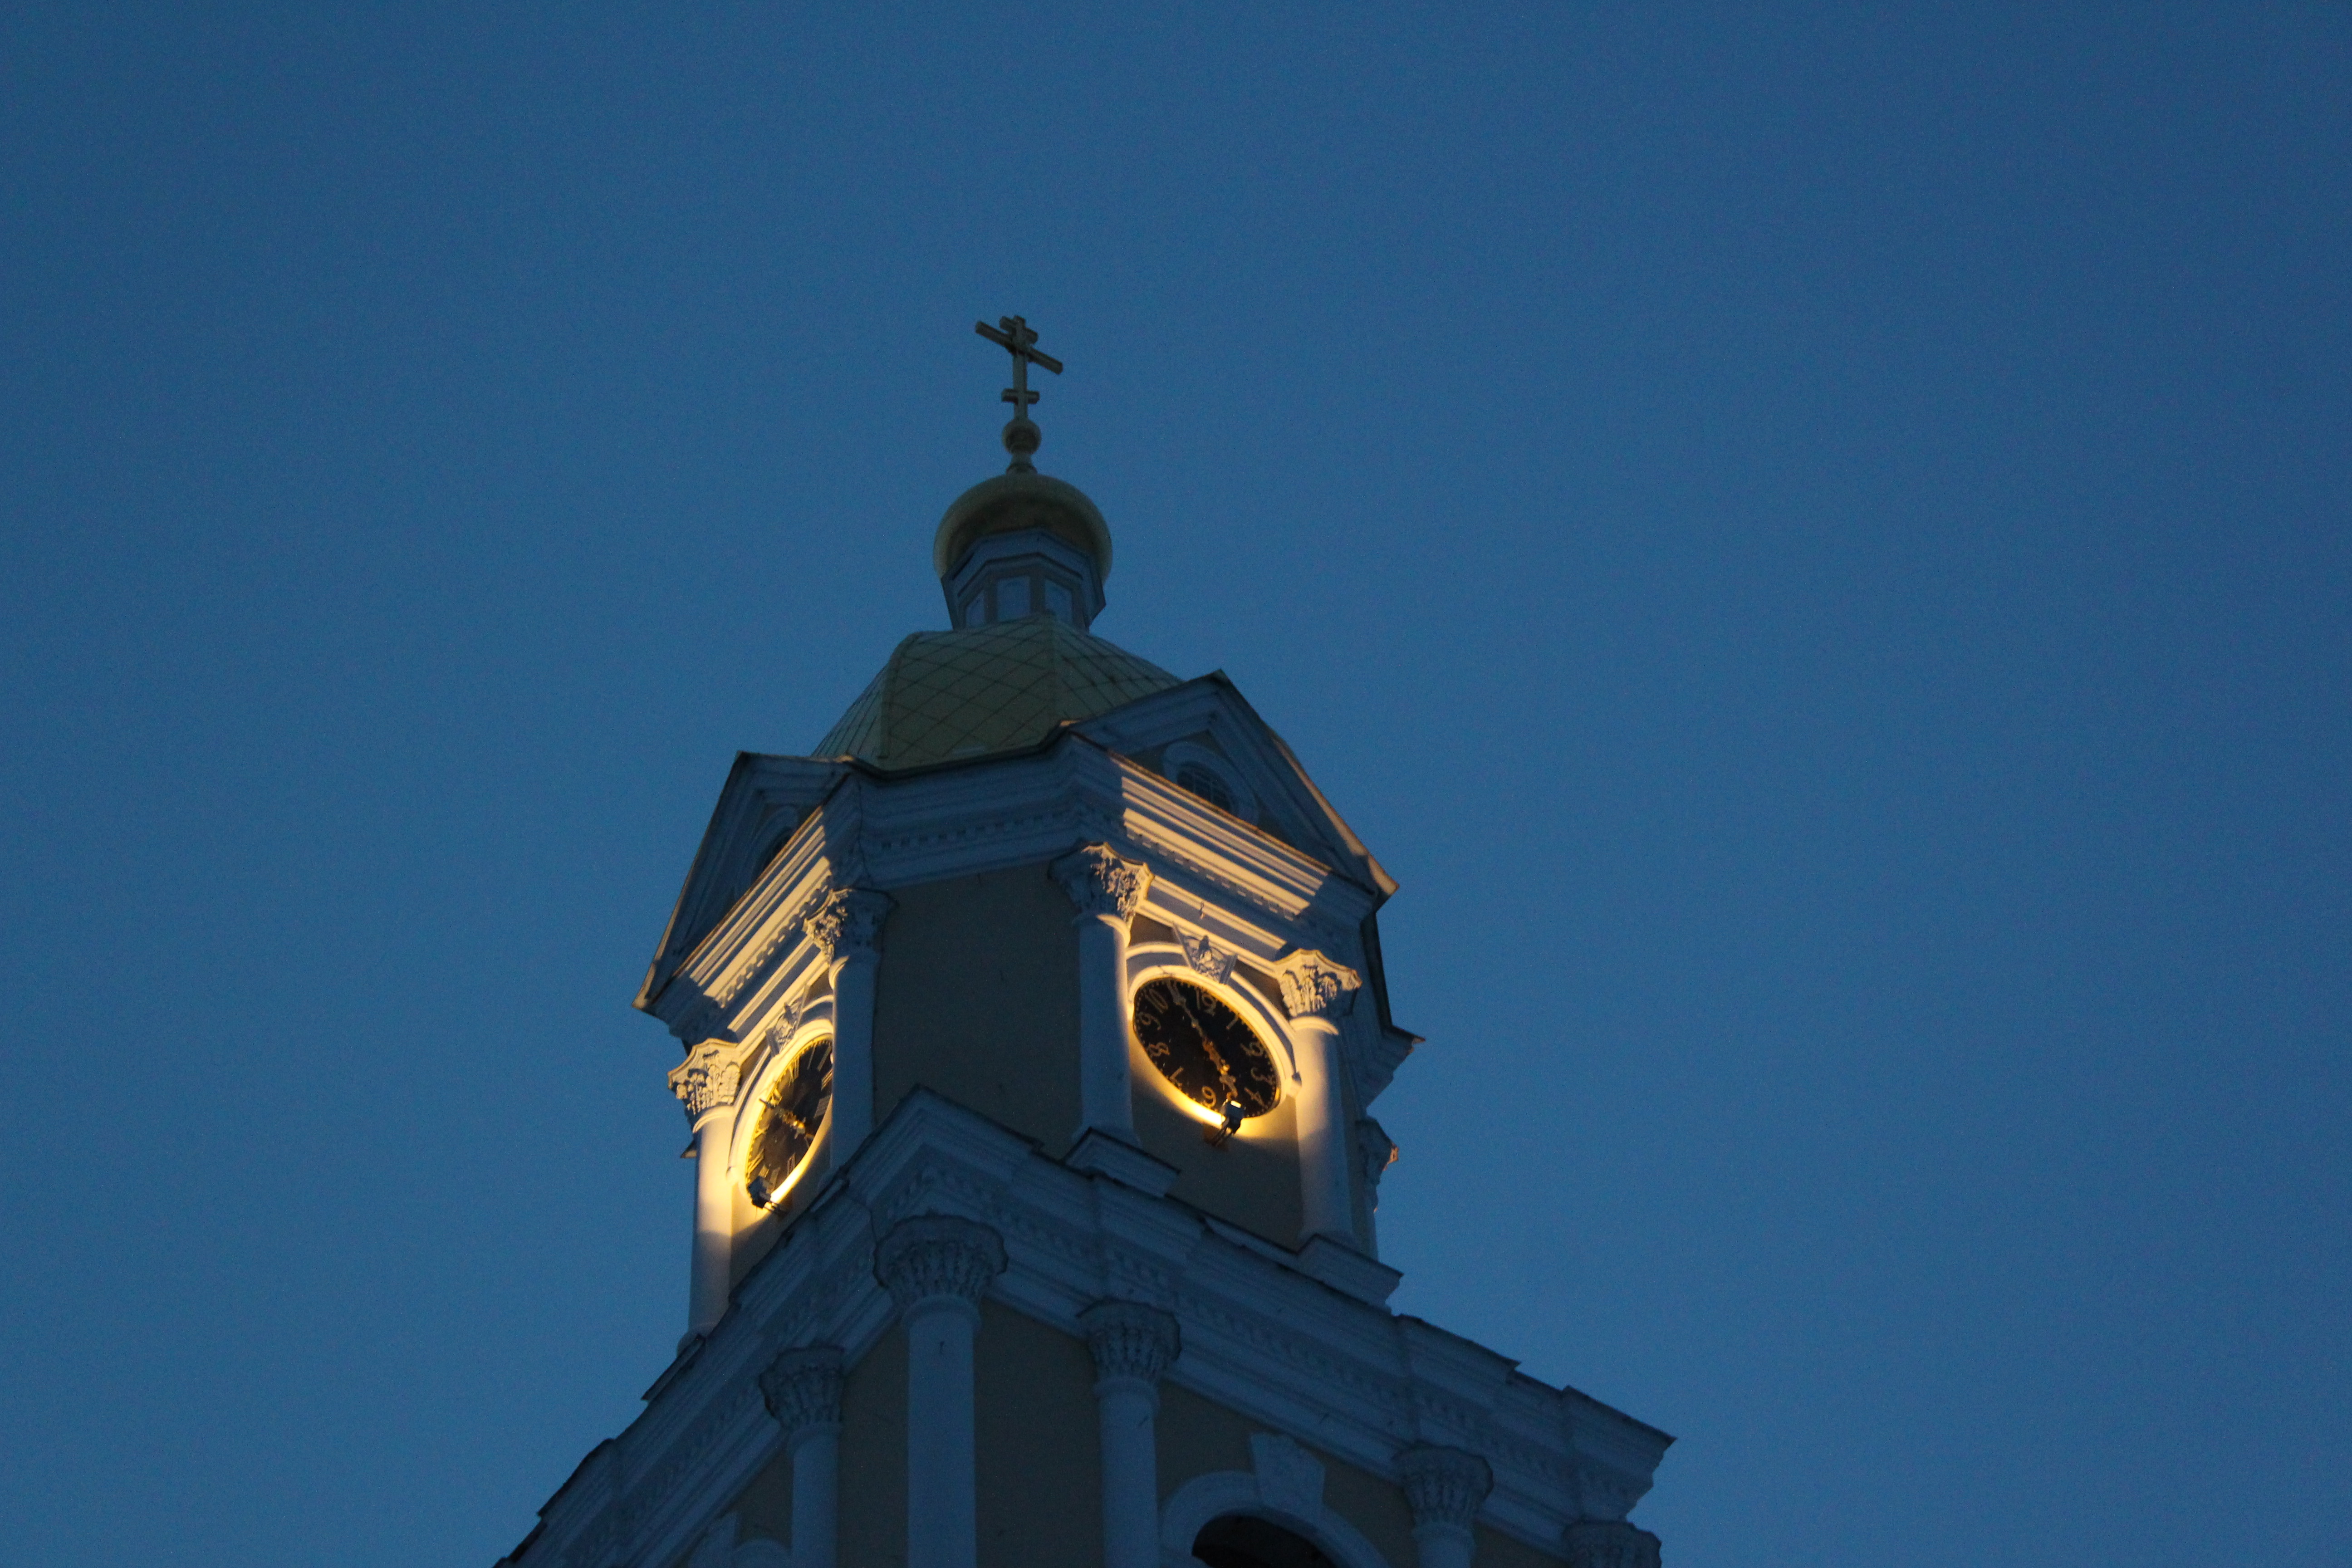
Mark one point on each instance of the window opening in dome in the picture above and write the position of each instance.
(1057, 600)
(1205, 784)
(1241, 1540)
(1012, 598)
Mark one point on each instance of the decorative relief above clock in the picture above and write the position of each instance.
(792, 1112)
(1205, 1049)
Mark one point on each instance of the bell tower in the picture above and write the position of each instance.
(1030, 1029)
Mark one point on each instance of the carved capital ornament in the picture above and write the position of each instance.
(1445, 1486)
(1315, 987)
(709, 1079)
(803, 1388)
(1129, 1339)
(847, 922)
(1101, 883)
(936, 1256)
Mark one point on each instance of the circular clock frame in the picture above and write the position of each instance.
(1204, 1049)
(793, 1108)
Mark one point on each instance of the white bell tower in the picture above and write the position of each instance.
(1032, 1027)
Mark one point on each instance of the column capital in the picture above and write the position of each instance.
(803, 1389)
(1609, 1543)
(1130, 1340)
(1315, 987)
(936, 1257)
(708, 1078)
(1444, 1486)
(1101, 882)
(847, 921)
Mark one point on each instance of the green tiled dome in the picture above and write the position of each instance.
(946, 695)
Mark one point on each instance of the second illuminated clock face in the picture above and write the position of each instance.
(1204, 1048)
(791, 1113)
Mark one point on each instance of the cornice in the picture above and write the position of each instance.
(887, 832)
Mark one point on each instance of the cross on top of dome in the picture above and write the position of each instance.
(1019, 338)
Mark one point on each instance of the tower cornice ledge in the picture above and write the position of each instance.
(1258, 1333)
(872, 834)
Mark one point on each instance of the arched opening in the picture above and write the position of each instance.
(1243, 1540)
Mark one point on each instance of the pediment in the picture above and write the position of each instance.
(1208, 723)
(765, 799)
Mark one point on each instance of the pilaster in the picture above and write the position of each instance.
(936, 1267)
(1107, 889)
(804, 1393)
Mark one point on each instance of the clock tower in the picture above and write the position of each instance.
(1031, 1030)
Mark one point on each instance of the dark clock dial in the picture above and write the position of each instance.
(1204, 1048)
(791, 1111)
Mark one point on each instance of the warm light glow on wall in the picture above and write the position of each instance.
(1142, 1071)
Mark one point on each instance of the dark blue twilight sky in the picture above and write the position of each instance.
(1812, 541)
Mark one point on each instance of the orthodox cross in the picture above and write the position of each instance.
(1018, 338)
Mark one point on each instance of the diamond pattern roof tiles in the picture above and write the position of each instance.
(997, 687)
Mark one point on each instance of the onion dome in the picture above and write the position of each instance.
(946, 696)
(1021, 559)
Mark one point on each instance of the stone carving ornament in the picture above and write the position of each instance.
(1445, 1486)
(847, 922)
(936, 1255)
(803, 1388)
(1101, 883)
(1315, 987)
(708, 1078)
(1129, 1339)
(1207, 959)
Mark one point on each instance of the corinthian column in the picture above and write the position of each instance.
(936, 1267)
(1317, 993)
(803, 1390)
(1107, 891)
(1444, 1487)
(1133, 1344)
(707, 1083)
(845, 925)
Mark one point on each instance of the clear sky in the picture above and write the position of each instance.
(1812, 540)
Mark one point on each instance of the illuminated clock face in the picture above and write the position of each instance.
(1204, 1049)
(792, 1111)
